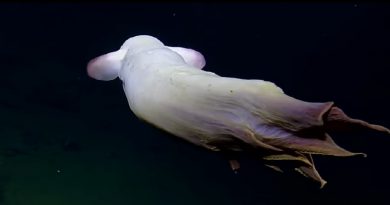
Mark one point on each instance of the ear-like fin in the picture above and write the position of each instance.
(190, 56)
(106, 67)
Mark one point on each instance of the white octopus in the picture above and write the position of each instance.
(166, 86)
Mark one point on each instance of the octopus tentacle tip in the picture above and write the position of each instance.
(234, 165)
(274, 167)
(356, 154)
(322, 184)
(336, 120)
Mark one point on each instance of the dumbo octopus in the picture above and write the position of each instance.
(166, 87)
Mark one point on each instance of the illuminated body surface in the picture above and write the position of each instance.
(167, 87)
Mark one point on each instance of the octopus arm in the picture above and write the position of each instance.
(279, 127)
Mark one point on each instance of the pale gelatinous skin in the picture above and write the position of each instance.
(191, 57)
(166, 87)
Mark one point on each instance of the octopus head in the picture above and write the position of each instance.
(141, 43)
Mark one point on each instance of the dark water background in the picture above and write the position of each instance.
(66, 139)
